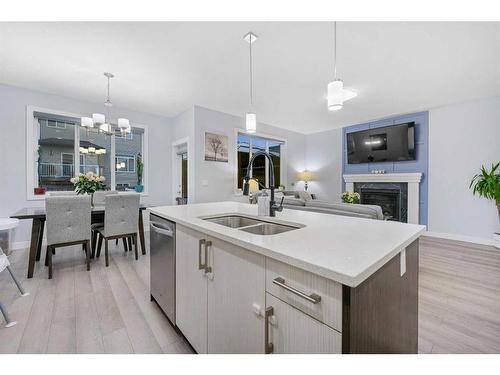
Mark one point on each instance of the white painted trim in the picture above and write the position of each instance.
(283, 156)
(384, 177)
(458, 237)
(175, 161)
(412, 179)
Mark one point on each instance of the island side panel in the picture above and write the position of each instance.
(381, 314)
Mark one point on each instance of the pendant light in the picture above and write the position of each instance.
(250, 116)
(99, 120)
(337, 94)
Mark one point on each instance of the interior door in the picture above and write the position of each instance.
(191, 288)
(236, 299)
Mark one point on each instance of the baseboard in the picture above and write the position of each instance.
(458, 237)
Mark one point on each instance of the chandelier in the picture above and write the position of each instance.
(98, 120)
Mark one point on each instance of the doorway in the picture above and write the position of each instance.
(180, 172)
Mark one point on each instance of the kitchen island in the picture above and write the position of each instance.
(301, 282)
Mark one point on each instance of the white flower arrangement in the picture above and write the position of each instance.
(350, 197)
(88, 183)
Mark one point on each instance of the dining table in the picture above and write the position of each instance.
(39, 216)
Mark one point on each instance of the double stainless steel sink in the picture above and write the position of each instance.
(252, 225)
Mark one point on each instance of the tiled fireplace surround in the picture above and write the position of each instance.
(405, 175)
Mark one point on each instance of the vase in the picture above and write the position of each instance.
(92, 200)
(139, 188)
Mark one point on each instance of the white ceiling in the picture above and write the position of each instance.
(164, 68)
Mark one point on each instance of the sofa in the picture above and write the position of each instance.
(302, 200)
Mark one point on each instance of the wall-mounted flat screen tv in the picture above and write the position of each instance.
(389, 143)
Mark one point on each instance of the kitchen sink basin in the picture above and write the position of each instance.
(233, 221)
(267, 229)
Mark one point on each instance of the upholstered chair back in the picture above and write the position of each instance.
(60, 193)
(100, 195)
(121, 214)
(68, 218)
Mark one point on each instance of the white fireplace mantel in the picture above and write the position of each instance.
(412, 179)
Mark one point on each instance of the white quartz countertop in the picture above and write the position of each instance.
(344, 249)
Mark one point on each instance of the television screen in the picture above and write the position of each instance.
(390, 143)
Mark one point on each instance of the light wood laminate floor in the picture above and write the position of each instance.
(108, 310)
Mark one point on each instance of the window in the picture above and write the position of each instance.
(249, 144)
(125, 163)
(127, 152)
(58, 148)
(53, 161)
(55, 124)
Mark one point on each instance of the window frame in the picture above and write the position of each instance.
(30, 150)
(128, 157)
(283, 155)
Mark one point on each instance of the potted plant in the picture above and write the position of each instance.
(88, 183)
(486, 184)
(350, 197)
(39, 190)
(140, 168)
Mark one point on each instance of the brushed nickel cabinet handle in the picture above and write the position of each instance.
(208, 269)
(313, 298)
(200, 264)
(269, 346)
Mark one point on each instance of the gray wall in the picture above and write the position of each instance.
(462, 137)
(324, 159)
(214, 181)
(13, 102)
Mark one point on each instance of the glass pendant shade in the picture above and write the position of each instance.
(123, 124)
(87, 122)
(98, 118)
(335, 95)
(251, 122)
(106, 128)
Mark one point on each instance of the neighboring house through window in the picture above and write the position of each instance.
(54, 138)
(247, 145)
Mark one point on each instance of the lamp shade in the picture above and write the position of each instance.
(251, 122)
(253, 186)
(98, 118)
(123, 124)
(106, 128)
(87, 122)
(305, 176)
(335, 95)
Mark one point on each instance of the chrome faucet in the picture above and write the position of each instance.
(273, 207)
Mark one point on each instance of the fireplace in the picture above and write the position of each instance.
(391, 197)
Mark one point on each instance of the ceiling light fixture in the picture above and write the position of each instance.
(98, 120)
(337, 94)
(250, 116)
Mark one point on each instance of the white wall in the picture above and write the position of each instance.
(13, 102)
(324, 159)
(462, 137)
(183, 128)
(215, 180)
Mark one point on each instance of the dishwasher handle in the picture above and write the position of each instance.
(162, 230)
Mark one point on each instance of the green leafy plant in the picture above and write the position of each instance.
(350, 197)
(140, 169)
(486, 184)
(88, 183)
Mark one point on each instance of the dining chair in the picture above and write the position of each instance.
(121, 216)
(5, 265)
(99, 200)
(68, 223)
(100, 195)
(60, 193)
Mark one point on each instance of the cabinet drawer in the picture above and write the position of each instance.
(328, 310)
(293, 332)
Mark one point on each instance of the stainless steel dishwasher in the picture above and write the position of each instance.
(162, 264)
